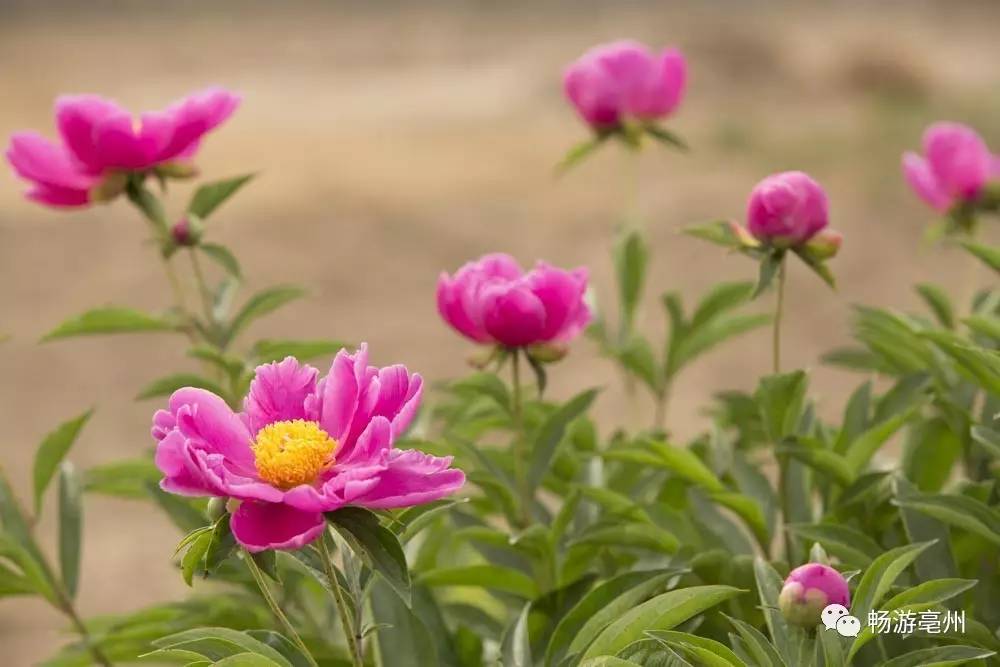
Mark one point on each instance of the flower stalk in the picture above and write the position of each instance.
(265, 592)
(351, 635)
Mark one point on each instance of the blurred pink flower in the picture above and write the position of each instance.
(301, 446)
(625, 80)
(955, 166)
(493, 301)
(787, 209)
(808, 589)
(100, 139)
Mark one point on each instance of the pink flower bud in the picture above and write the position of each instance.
(493, 301)
(808, 590)
(787, 209)
(625, 80)
(187, 232)
(955, 167)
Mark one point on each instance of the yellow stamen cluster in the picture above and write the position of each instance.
(289, 453)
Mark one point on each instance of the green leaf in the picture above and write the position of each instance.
(630, 535)
(122, 479)
(666, 137)
(663, 612)
(864, 447)
(33, 575)
(976, 363)
(928, 594)
(818, 266)
(770, 264)
(814, 455)
(780, 399)
(246, 660)
(193, 561)
(747, 509)
(109, 320)
(268, 350)
(719, 232)
(631, 254)
(516, 648)
(636, 355)
(939, 304)
(853, 358)
(375, 544)
(761, 651)
(679, 460)
(714, 648)
(52, 451)
(493, 577)
(880, 575)
(578, 153)
(551, 433)
(846, 543)
(167, 385)
(929, 453)
(988, 439)
(769, 585)
(702, 339)
(957, 510)
(404, 640)
(219, 643)
(721, 298)
(608, 661)
(939, 656)
(989, 255)
(70, 526)
(224, 257)
(602, 605)
(210, 196)
(262, 303)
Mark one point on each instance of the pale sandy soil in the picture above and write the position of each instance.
(394, 144)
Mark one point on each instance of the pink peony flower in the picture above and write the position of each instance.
(808, 590)
(99, 139)
(493, 301)
(955, 166)
(301, 446)
(787, 209)
(625, 80)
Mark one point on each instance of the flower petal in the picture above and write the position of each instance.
(512, 314)
(412, 478)
(260, 526)
(561, 293)
(337, 395)
(278, 393)
(82, 120)
(918, 174)
(178, 130)
(203, 416)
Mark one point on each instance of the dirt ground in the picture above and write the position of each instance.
(394, 143)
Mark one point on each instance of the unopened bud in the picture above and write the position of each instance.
(808, 590)
(187, 231)
(216, 509)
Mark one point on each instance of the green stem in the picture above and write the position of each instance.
(273, 604)
(67, 608)
(778, 311)
(520, 442)
(353, 641)
(206, 294)
(662, 407)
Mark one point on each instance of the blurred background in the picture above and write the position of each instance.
(397, 140)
